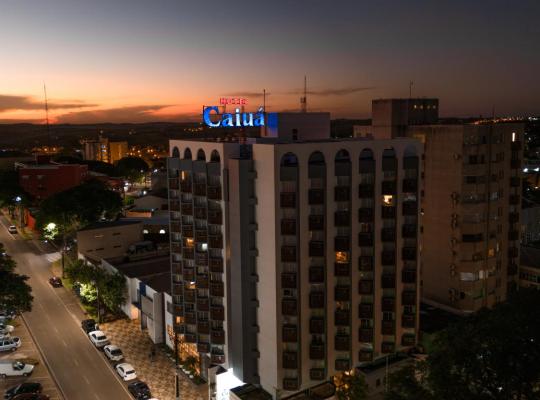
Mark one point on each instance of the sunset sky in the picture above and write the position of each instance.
(142, 60)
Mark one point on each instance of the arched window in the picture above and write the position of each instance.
(316, 158)
(366, 154)
(214, 157)
(200, 155)
(342, 156)
(289, 160)
(175, 152)
(187, 154)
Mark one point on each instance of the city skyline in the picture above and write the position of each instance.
(140, 62)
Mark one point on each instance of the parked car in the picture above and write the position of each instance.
(31, 396)
(126, 371)
(10, 343)
(12, 229)
(55, 281)
(6, 315)
(139, 390)
(113, 352)
(89, 325)
(98, 338)
(26, 387)
(15, 368)
(6, 328)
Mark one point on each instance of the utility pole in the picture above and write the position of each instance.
(410, 89)
(176, 378)
(63, 252)
(47, 116)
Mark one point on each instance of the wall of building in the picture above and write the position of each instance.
(108, 242)
(46, 180)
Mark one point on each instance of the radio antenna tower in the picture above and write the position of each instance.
(47, 116)
(303, 99)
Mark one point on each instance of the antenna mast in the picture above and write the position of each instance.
(47, 116)
(303, 100)
(410, 89)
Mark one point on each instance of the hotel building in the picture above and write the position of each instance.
(294, 261)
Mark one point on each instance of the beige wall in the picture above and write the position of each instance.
(108, 242)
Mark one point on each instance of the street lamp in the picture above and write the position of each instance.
(18, 200)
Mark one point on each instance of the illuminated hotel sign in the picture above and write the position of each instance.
(240, 101)
(228, 120)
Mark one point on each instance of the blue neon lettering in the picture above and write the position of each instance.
(237, 119)
(206, 117)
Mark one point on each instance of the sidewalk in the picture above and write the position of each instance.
(159, 373)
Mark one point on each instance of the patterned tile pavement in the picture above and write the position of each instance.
(157, 373)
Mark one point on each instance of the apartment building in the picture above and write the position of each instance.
(294, 261)
(102, 149)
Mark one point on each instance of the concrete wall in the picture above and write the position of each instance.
(108, 242)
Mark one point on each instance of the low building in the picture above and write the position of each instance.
(530, 224)
(529, 267)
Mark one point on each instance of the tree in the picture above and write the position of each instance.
(132, 168)
(15, 293)
(11, 193)
(351, 387)
(113, 292)
(409, 383)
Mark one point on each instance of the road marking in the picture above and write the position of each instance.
(64, 342)
(97, 397)
(76, 362)
(86, 379)
(55, 329)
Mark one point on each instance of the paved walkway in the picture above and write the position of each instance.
(159, 373)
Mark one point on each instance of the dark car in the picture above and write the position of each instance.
(31, 396)
(55, 281)
(89, 325)
(139, 390)
(26, 387)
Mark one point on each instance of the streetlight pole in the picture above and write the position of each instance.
(176, 378)
(97, 298)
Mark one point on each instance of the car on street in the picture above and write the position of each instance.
(89, 325)
(12, 229)
(113, 352)
(6, 315)
(98, 338)
(31, 396)
(15, 368)
(139, 390)
(55, 281)
(10, 343)
(4, 329)
(126, 371)
(26, 387)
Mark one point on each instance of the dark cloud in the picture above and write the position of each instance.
(334, 92)
(10, 102)
(247, 94)
(135, 114)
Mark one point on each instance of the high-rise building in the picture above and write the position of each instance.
(292, 261)
(104, 150)
(470, 202)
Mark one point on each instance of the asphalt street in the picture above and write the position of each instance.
(79, 369)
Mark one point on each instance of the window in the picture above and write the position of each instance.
(342, 257)
(116, 233)
(388, 200)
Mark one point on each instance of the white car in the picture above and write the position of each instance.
(6, 329)
(12, 229)
(126, 371)
(113, 352)
(98, 338)
(10, 343)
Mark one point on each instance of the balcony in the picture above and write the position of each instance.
(409, 253)
(342, 218)
(387, 327)
(287, 200)
(175, 227)
(317, 374)
(365, 287)
(316, 222)
(190, 318)
(201, 236)
(185, 187)
(200, 213)
(203, 304)
(203, 347)
(174, 205)
(215, 241)
(388, 234)
(190, 338)
(365, 311)
(512, 269)
(365, 263)
(410, 208)
(408, 275)
(408, 298)
(315, 196)
(388, 281)
(316, 274)
(316, 248)
(343, 365)
(316, 300)
(217, 313)
(342, 193)
(365, 335)
(187, 231)
(201, 259)
(176, 248)
(514, 199)
(288, 253)
(289, 333)
(217, 358)
(513, 235)
(409, 231)
(288, 280)
(203, 327)
(342, 293)
(214, 192)
(342, 243)
(316, 325)
(387, 347)
(408, 321)
(388, 212)
(388, 187)
(365, 190)
(188, 253)
(202, 281)
(515, 163)
(342, 269)
(290, 384)
(217, 336)
(217, 289)
(388, 257)
(342, 343)
(388, 304)
(365, 355)
(410, 185)
(190, 295)
(199, 189)
(513, 217)
(216, 264)
(365, 214)
(173, 184)
(289, 307)
(290, 359)
(342, 318)
(472, 237)
(365, 239)
(316, 351)
(215, 217)
(408, 340)
(513, 252)
(288, 226)
(187, 209)
(515, 181)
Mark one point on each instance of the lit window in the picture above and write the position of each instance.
(388, 200)
(342, 257)
(513, 136)
(189, 242)
(145, 231)
(162, 231)
(204, 246)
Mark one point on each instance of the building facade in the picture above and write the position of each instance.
(293, 262)
(102, 149)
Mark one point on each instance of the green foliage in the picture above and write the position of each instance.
(113, 292)
(408, 383)
(88, 293)
(15, 293)
(10, 189)
(352, 387)
(132, 168)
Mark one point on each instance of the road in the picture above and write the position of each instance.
(78, 368)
